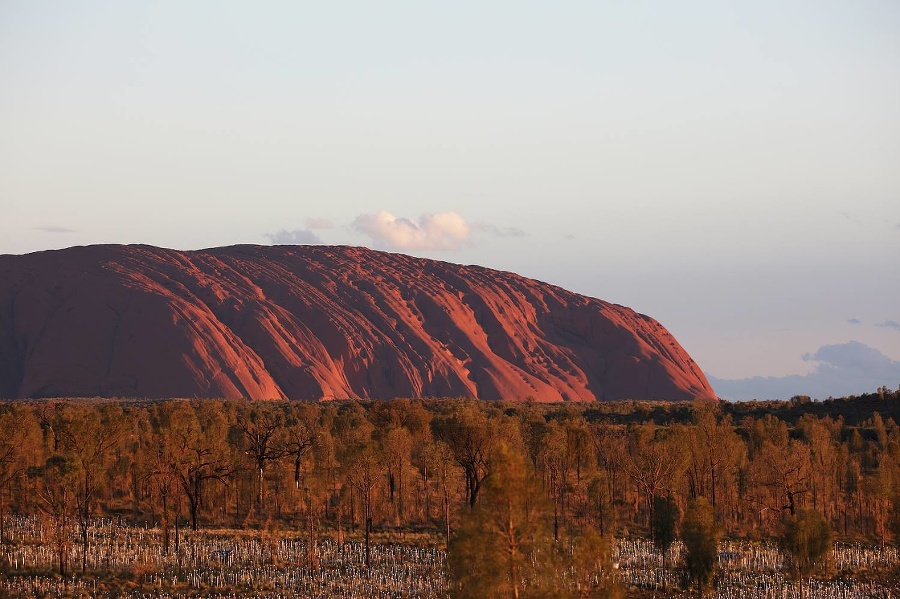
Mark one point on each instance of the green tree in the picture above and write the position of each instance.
(894, 521)
(806, 543)
(665, 515)
(90, 435)
(590, 566)
(196, 458)
(58, 484)
(700, 535)
(493, 554)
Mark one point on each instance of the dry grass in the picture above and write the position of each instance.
(125, 561)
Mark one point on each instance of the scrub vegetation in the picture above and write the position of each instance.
(456, 498)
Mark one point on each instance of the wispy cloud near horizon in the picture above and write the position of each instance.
(499, 231)
(54, 229)
(842, 369)
(319, 223)
(889, 324)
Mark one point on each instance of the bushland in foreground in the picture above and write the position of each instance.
(407, 467)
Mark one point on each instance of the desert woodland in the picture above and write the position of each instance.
(450, 498)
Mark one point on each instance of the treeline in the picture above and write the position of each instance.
(853, 410)
(407, 465)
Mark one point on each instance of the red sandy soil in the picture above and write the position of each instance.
(317, 322)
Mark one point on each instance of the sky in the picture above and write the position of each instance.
(731, 169)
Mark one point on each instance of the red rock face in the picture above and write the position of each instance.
(314, 322)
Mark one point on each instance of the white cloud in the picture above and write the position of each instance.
(442, 231)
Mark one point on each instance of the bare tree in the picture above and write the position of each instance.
(165, 483)
(260, 427)
(363, 474)
(57, 480)
(299, 439)
(441, 461)
(396, 447)
(651, 463)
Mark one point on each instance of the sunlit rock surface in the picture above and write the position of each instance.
(314, 322)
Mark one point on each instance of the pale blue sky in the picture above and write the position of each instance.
(730, 168)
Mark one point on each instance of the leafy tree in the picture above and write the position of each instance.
(579, 446)
(716, 452)
(195, 458)
(18, 447)
(825, 454)
(806, 543)
(700, 535)
(471, 437)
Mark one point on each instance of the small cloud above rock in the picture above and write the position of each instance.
(442, 231)
(295, 237)
(854, 321)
